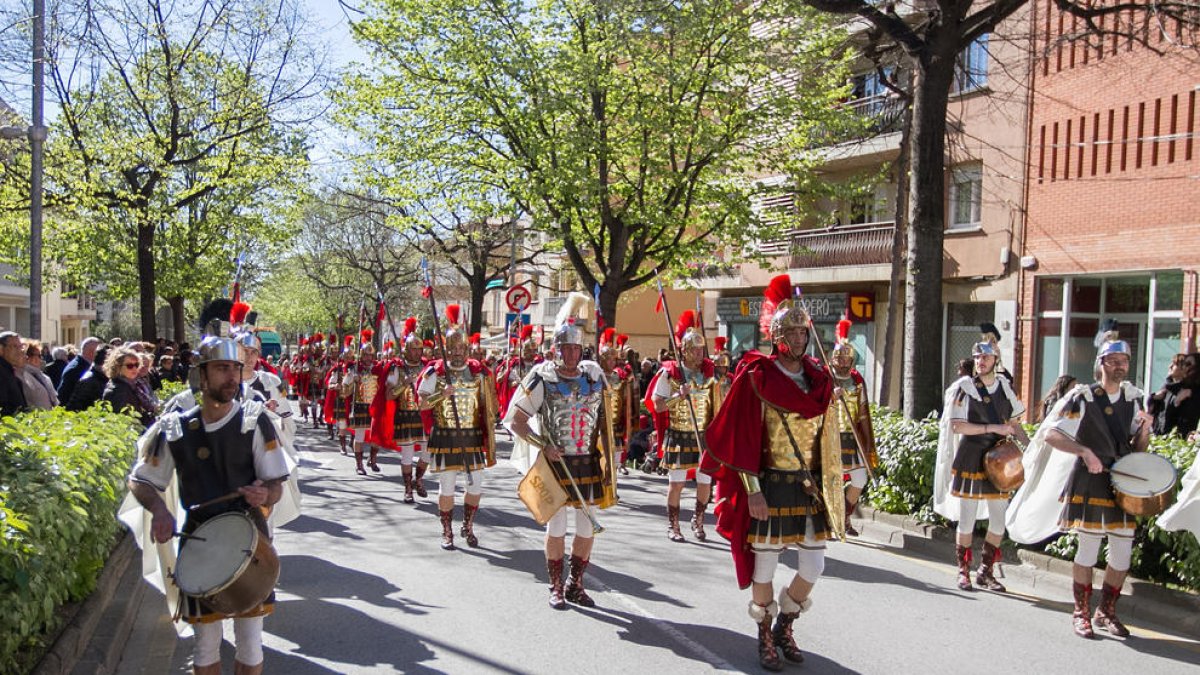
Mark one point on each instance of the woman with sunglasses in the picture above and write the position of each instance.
(123, 367)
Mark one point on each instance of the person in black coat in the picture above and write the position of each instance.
(90, 387)
(12, 359)
(1182, 407)
(77, 368)
(58, 364)
(122, 391)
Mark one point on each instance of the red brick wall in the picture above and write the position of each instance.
(1114, 161)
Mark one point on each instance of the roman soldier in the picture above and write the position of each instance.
(981, 410)
(477, 351)
(362, 382)
(566, 397)
(406, 431)
(339, 395)
(773, 450)
(460, 392)
(1068, 486)
(721, 364)
(619, 394)
(853, 412)
(300, 376)
(515, 367)
(319, 368)
(681, 424)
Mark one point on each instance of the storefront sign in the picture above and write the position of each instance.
(823, 307)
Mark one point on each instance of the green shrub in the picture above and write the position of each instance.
(904, 484)
(61, 481)
(907, 455)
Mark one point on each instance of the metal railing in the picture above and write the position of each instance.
(835, 246)
(879, 114)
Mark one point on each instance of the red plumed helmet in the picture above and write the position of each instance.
(606, 338)
(719, 343)
(686, 320)
(367, 334)
(622, 339)
(389, 344)
(777, 291)
(475, 338)
(526, 332)
(349, 340)
(303, 342)
(410, 326)
(428, 343)
(843, 329)
(317, 337)
(453, 314)
(238, 314)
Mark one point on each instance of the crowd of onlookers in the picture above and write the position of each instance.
(36, 376)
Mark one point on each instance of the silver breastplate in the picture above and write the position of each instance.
(571, 409)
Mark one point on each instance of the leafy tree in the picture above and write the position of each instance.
(929, 41)
(627, 130)
(173, 149)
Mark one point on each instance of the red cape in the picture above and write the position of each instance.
(734, 440)
(663, 419)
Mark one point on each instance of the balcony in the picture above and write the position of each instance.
(835, 246)
(81, 307)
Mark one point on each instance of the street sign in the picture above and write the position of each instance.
(518, 298)
(511, 317)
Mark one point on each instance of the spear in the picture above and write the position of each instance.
(662, 299)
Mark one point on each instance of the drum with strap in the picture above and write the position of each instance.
(1144, 483)
(1003, 465)
(228, 563)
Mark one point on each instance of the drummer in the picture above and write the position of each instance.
(213, 450)
(981, 411)
(1099, 424)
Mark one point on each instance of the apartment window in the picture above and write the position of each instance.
(971, 67)
(966, 192)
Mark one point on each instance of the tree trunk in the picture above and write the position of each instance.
(478, 292)
(610, 292)
(898, 259)
(145, 266)
(177, 317)
(926, 220)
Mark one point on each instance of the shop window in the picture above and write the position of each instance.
(1127, 294)
(1085, 295)
(1168, 336)
(1049, 347)
(1168, 293)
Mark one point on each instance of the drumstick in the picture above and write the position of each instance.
(233, 495)
(182, 535)
(1127, 475)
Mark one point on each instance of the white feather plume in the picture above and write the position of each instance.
(570, 308)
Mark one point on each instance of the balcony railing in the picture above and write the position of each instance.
(836, 246)
(879, 114)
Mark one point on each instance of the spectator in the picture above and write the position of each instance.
(76, 369)
(39, 390)
(58, 363)
(123, 391)
(184, 363)
(1061, 386)
(165, 372)
(649, 368)
(116, 342)
(91, 386)
(1156, 402)
(12, 391)
(966, 368)
(1183, 408)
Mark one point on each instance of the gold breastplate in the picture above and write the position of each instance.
(852, 395)
(466, 401)
(614, 401)
(368, 385)
(681, 415)
(780, 453)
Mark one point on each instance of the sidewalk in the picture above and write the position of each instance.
(1142, 601)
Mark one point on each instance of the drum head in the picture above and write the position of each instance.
(206, 566)
(1156, 470)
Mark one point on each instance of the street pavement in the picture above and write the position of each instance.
(365, 588)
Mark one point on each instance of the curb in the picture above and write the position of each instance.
(1143, 600)
(108, 612)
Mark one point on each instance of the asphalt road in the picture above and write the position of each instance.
(365, 588)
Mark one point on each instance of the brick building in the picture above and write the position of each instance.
(1112, 227)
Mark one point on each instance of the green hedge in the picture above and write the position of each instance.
(904, 484)
(62, 478)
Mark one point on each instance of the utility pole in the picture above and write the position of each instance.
(37, 136)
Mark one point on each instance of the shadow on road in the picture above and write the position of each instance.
(849, 571)
(307, 525)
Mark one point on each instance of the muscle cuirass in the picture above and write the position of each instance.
(780, 453)
(466, 401)
(614, 399)
(681, 415)
(852, 394)
(368, 385)
(406, 398)
(572, 408)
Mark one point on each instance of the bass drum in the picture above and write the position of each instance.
(1144, 483)
(1003, 465)
(228, 563)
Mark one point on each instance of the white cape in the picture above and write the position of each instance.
(158, 560)
(945, 504)
(1185, 514)
(1034, 511)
